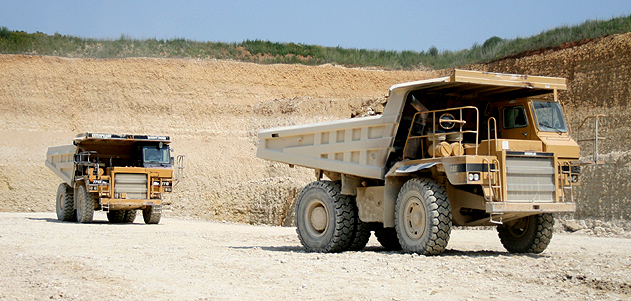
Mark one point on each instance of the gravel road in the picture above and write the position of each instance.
(191, 259)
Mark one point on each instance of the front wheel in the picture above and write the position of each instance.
(85, 205)
(324, 218)
(422, 217)
(151, 214)
(530, 234)
(65, 203)
(387, 237)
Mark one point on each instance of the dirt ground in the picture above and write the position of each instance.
(192, 259)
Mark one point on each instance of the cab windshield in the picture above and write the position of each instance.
(156, 154)
(549, 116)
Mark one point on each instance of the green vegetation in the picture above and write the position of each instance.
(266, 52)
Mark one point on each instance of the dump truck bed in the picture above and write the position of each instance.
(60, 159)
(354, 146)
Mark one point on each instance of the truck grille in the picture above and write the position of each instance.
(133, 184)
(530, 179)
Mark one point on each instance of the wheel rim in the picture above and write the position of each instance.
(59, 200)
(415, 218)
(317, 217)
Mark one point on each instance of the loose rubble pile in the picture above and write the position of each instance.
(617, 228)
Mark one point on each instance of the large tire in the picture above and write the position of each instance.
(65, 203)
(121, 216)
(361, 231)
(152, 214)
(324, 218)
(387, 237)
(530, 234)
(422, 217)
(130, 216)
(116, 216)
(85, 205)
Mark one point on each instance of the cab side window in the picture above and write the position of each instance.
(514, 117)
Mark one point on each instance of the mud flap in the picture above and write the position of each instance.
(415, 167)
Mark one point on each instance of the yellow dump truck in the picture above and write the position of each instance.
(470, 149)
(118, 174)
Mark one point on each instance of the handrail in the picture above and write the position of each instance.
(433, 135)
(491, 195)
(488, 134)
(494, 180)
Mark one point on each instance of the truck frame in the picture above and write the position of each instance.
(118, 174)
(469, 149)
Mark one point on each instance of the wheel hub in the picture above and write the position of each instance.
(519, 228)
(318, 219)
(415, 218)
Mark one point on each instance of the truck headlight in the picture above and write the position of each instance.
(474, 176)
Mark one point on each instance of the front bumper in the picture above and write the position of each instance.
(128, 204)
(504, 207)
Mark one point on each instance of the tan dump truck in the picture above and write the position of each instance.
(118, 174)
(470, 149)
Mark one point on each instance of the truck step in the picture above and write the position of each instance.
(496, 218)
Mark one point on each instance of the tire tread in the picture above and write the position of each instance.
(439, 211)
(344, 217)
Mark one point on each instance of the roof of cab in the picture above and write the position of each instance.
(481, 85)
(486, 84)
(84, 137)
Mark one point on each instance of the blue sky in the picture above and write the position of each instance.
(370, 24)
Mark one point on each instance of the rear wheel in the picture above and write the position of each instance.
(65, 203)
(130, 216)
(361, 230)
(121, 216)
(530, 234)
(85, 205)
(422, 217)
(116, 216)
(387, 237)
(152, 214)
(324, 218)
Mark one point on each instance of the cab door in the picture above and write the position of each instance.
(515, 122)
